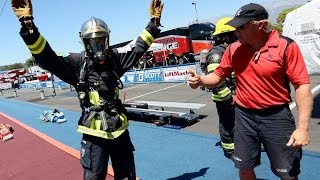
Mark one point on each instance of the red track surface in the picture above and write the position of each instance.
(30, 157)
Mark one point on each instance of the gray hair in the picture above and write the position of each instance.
(266, 29)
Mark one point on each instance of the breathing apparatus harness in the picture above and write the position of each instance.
(96, 107)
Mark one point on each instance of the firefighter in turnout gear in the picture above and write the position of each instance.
(223, 94)
(95, 73)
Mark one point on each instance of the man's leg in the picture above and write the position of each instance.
(276, 129)
(94, 158)
(247, 174)
(122, 158)
(247, 143)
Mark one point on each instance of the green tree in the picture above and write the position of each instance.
(12, 66)
(31, 62)
(281, 18)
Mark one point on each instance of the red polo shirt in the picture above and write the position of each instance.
(261, 83)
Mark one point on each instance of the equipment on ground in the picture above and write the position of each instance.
(54, 116)
(6, 132)
(141, 111)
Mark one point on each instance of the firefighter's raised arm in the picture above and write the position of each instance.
(39, 46)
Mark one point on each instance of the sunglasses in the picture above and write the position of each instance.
(251, 22)
(245, 25)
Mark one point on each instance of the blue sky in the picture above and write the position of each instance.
(59, 21)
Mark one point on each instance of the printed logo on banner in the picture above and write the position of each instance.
(167, 74)
(178, 74)
(48, 84)
(129, 77)
(149, 76)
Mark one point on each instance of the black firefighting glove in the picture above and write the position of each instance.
(23, 10)
(156, 7)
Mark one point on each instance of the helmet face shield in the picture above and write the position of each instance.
(96, 45)
(227, 37)
(95, 36)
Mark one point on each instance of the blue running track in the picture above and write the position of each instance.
(161, 153)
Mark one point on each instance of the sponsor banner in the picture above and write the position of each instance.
(128, 77)
(44, 84)
(178, 73)
(5, 86)
(62, 83)
(28, 85)
(150, 75)
(49, 84)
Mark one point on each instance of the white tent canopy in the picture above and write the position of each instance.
(303, 26)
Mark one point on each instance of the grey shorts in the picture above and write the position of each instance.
(272, 127)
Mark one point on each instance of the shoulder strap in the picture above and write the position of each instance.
(84, 67)
(83, 70)
(284, 56)
(221, 48)
(218, 49)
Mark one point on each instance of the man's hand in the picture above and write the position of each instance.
(194, 80)
(299, 138)
(22, 9)
(156, 7)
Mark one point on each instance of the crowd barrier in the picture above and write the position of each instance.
(44, 84)
(176, 73)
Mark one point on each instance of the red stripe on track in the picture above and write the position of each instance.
(28, 156)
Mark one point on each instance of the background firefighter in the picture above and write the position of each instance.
(223, 94)
(95, 73)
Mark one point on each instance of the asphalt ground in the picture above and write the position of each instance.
(166, 92)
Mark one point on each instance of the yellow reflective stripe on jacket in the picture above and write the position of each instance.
(227, 145)
(212, 67)
(147, 37)
(116, 93)
(94, 98)
(38, 46)
(95, 130)
(221, 94)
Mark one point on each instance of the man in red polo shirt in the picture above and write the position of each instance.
(264, 63)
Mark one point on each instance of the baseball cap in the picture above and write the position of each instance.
(248, 13)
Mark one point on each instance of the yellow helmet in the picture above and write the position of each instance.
(221, 26)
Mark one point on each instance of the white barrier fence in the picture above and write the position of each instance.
(178, 73)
